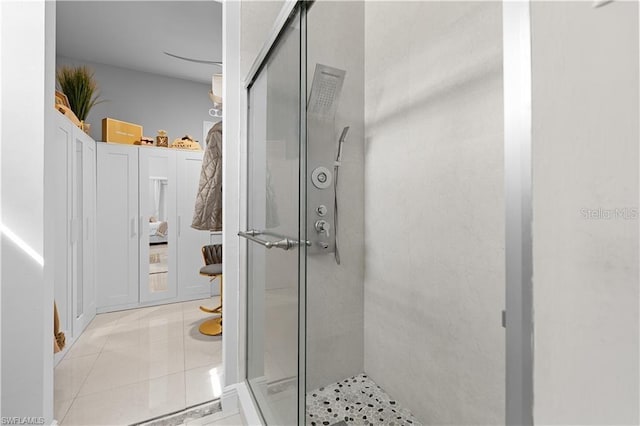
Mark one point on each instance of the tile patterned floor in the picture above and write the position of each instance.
(355, 401)
(134, 365)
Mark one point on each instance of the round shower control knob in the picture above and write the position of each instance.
(321, 177)
(321, 210)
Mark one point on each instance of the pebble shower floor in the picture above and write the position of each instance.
(355, 401)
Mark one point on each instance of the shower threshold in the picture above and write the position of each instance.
(355, 401)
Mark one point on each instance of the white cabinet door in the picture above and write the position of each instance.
(83, 240)
(77, 237)
(61, 210)
(190, 241)
(89, 227)
(117, 225)
(158, 224)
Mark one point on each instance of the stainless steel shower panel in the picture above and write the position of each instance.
(322, 146)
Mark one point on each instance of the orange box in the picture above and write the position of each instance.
(120, 131)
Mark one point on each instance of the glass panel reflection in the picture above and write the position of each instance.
(157, 215)
(273, 209)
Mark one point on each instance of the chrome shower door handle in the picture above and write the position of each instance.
(284, 244)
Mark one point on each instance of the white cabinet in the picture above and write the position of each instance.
(148, 252)
(117, 225)
(190, 241)
(83, 241)
(61, 210)
(73, 171)
(89, 221)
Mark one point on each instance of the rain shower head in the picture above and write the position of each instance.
(325, 91)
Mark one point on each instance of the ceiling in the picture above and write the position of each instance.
(133, 34)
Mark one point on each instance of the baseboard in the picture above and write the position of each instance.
(231, 406)
(237, 399)
(229, 400)
(60, 355)
(107, 309)
(248, 409)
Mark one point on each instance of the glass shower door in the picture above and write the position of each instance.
(273, 231)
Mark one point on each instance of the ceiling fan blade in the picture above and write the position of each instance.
(199, 61)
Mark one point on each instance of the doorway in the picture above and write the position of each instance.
(131, 345)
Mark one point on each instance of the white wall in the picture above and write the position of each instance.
(27, 302)
(257, 20)
(233, 336)
(434, 208)
(585, 156)
(335, 293)
(1, 37)
(242, 40)
(153, 101)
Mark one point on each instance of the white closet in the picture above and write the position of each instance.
(149, 253)
(117, 233)
(74, 213)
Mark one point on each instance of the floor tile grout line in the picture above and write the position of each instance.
(131, 383)
(109, 335)
(61, 421)
(116, 388)
(73, 400)
(93, 364)
(91, 369)
(184, 355)
(137, 382)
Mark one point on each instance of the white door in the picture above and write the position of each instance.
(89, 227)
(117, 226)
(83, 241)
(77, 235)
(61, 163)
(158, 224)
(190, 241)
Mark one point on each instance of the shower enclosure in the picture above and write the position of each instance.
(376, 216)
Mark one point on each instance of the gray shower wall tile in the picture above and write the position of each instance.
(434, 208)
(335, 293)
(585, 156)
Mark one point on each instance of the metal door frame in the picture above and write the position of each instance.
(288, 13)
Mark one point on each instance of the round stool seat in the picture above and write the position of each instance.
(213, 269)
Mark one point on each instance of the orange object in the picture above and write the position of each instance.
(66, 111)
(186, 142)
(59, 339)
(120, 131)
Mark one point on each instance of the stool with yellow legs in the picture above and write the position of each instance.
(212, 255)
